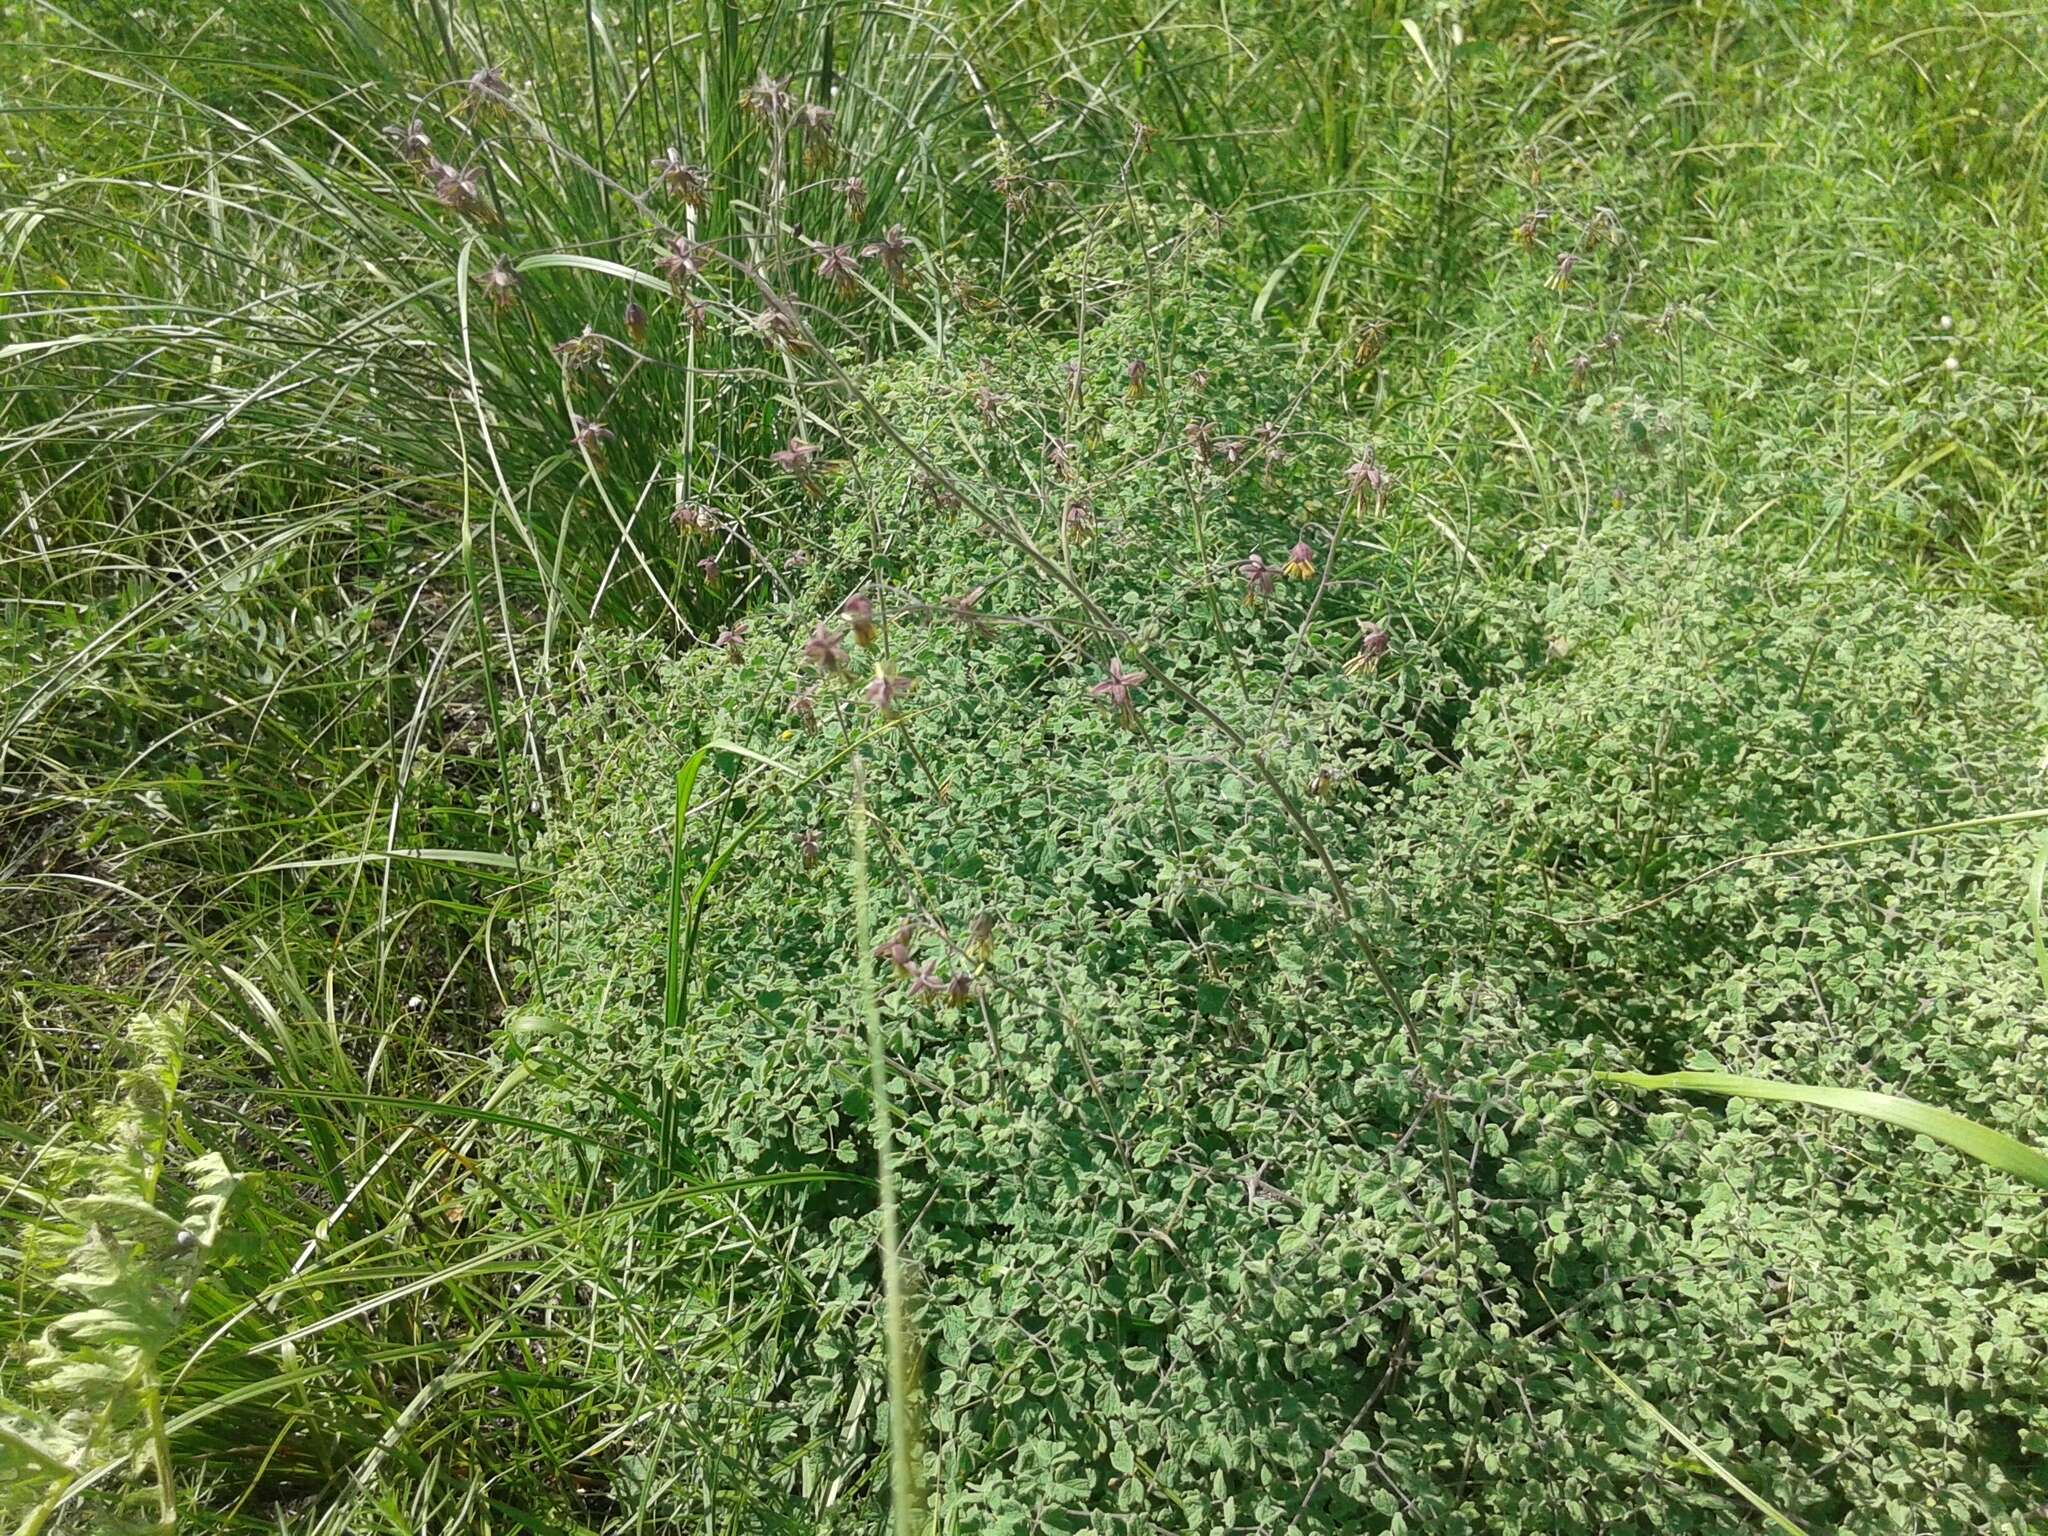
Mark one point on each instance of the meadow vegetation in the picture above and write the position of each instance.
(829, 768)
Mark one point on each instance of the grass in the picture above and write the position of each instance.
(300, 557)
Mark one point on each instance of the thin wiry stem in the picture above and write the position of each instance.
(906, 1495)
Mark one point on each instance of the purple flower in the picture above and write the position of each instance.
(981, 934)
(485, 91)
(693, 517)
(892, 251)
(1258, 577)
(837, 266)
(1117, 687)
(1201, 436)
(682, 263)
(1079, 517)
(924, 982)
(825, 650)
(589, 437)
(768, 98)
(1301, 562)
(688, 184)
(887, 690)
(580, 353)
(800, 462)
(1059, 453)
(413, 143)
(455, 188)
(855, 191)
(1134, 377)
(1366, 476)
(803, 708)
(816, 123)
(1561, 278)
(697, 315)
(1267, 436)
(501, 285)
(1198, 381)
(810, 846)
(960, 989)
(463, 192)
(733, 640)
(860, 613)
(896, 948)
(1372, 645)
(636, 322)
(778, 327)
(708, 569)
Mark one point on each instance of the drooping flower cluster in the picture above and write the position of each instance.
(836, 265)
(1117, 688)
(1365, 477)
(825, 650)
(462, 191)
(589, 438)
(688, 184)
(887, 690)
(581, 353)
(693, 517)
(486, 92)
(921, 978)
(860, 614)
(682, 263)
(893, 252)
(802, 461)
(500, 284)
(768, 98)
(1373, 644)
(1258, 577)
(777, 327)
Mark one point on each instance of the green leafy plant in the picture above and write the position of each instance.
(104, 1242)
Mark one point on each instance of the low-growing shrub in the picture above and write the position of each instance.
(1263, 911)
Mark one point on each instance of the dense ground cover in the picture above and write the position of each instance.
(1413, 557)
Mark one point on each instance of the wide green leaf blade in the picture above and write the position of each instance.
(1993, 1148)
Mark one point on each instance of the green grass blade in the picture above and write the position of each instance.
(2034, 884)
(678, 981)
(1993, 1148)
(1750, 1496)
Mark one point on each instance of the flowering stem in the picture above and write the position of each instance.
(904, 1491)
